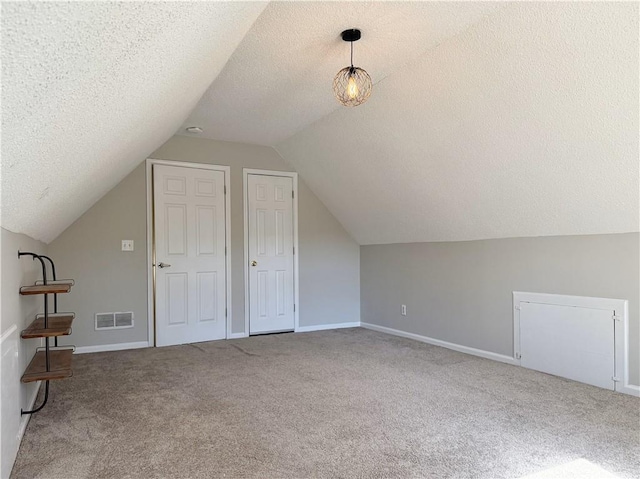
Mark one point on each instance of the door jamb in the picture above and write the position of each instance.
(151, 247)
(296, 298)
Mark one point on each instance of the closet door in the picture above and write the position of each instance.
(190, 249)
(271, 265)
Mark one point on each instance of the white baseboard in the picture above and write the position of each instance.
(323, 327)
(437, 342)
(238, 336)
(111, 347)
(630, 389)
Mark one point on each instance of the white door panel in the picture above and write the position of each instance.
(572, 342)
(189, 220)
(271, 270)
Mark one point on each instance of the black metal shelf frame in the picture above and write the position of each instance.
(47, 347)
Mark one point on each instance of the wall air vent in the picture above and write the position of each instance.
(114, 320)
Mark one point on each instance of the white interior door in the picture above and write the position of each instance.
(572, 342)
(190, 266)
(270, 237)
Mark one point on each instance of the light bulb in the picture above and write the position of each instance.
(352, 88)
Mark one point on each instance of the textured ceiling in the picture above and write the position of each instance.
(90, 88)
(526, 124)
(279, 80)
(486, 120)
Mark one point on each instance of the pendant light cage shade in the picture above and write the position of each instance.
(352, 86)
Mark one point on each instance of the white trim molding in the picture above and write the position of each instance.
(630, 389)
(111, 347)
(151, 239)
(238, 335)
(620, 311)
(296, 272)
(14, 424)
(8, 333)
(324, 327)
(444, 344)
(25, 419)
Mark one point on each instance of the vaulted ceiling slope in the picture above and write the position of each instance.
(525, 124)
(90, 88)
(487, 120)
(279, 80)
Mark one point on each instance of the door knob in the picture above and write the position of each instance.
(254, 263)
(164, 265)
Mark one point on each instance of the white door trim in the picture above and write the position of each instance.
(620, 307)
(296, 298)
(151, 240)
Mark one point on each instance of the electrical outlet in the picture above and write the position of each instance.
(127, 245)
(403, 310)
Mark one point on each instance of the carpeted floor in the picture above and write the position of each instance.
(347, 403)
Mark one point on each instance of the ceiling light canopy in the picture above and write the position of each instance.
(352, 85)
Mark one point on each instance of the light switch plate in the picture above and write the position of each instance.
(127, 245)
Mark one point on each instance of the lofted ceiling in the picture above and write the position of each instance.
(279, 79)
(525, 124)
(90, 88)
(486, 120)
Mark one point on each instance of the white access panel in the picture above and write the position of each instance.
(572, 342)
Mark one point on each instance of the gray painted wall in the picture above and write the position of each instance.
(460, 292)
(108, 279)
(17, 311)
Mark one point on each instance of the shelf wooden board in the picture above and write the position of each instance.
(70, 282)
(60, 366)
(46, 289)
(58, 324)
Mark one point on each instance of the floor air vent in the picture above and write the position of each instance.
(114, 320)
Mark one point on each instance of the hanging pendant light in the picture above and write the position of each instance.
(352, 85)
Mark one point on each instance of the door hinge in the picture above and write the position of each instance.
(294, 308)
(293, 195)
(225, 312)
(225, 251)
(615, 379)
(518, 356)
(294, 250)
(615, 317)
(225, 189)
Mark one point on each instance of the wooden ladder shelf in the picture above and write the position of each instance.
(58, 324)
(51, 362)
(45, 289)
(59, 366)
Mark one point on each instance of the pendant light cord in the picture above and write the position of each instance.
(351, 54)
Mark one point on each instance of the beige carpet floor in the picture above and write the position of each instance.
(346, 404)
